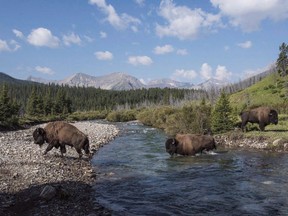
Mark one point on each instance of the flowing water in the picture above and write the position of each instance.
(139, 178)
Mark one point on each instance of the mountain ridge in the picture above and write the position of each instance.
(122, 81)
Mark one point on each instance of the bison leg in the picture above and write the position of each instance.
(243, 124)
(49, 147)
(62, 149)
(262, 126)
(79, 151)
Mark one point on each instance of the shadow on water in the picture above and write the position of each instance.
(139, 178)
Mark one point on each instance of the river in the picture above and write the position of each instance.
(137, 177)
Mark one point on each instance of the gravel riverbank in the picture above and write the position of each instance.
(34, 184)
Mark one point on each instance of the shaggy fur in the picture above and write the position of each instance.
(189, 144)
(261, 115)
(58, 134)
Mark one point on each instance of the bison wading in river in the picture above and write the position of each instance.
(58, 134)
(189, 144)
(261, 115)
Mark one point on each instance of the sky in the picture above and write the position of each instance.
(184, 40)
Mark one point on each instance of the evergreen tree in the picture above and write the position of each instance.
(8, 108)
(35, 106)
(282, 61)
(222, 120)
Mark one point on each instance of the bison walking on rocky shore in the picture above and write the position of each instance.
(58, 134)
(261, 115)
(189, 144)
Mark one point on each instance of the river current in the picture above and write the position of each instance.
(137, 177)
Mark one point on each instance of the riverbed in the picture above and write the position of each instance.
(137, 177)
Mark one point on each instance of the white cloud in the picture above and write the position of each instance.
(183, 22)
(4, 46)
(184, 74)
(105, 55)
(44, 70)
(206, 71)
(182, 52)
(9, 47)
(245, 45)
(248, 14)
(103, 34)
(139, 60)
(18, 33)
(43, 37)
(71, 39)
(122, 21)
(222, 73)
(140, 2)
(159, 50)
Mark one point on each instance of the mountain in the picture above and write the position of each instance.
(114, 81)
(168, 83)
(4, 78)
(212, 83)
(122, 81)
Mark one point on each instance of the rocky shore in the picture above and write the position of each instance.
(34, 184)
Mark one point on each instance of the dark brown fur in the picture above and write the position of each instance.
(58, 134)
(261, 115)
(189, 144)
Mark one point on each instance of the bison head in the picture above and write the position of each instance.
(171, 146)
(39, 135)
(273, 117)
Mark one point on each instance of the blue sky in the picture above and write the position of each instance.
(187, 41)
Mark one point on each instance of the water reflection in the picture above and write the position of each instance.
(140, 178)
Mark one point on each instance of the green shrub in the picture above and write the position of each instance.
(122, 116)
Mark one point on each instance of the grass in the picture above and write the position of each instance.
(270, 91)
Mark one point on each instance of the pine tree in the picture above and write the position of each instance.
(8, 108)
(222, 120)
(282, 61)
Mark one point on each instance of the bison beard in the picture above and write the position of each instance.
(59, 134)
(261, 115)
(189, 144)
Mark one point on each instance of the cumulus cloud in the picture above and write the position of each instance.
(183, 22)
(18, 33)
(222, 73)
(184, 74)
(140, 60)
(248, 14)
(159, 50)
(206, 71)
(71, 38)
(182, 52)
(103, 34)
(140, 2)
(43, 37)
(44, 70)
(4, 46)
(122, 21)
(8, 47)
(104, 55)
(245, 45)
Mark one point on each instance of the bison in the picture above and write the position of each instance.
(189, 144)
(261, 115)
(58, 134)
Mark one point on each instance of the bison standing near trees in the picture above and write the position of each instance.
(261, 115)
(58, 134)
(189, 144)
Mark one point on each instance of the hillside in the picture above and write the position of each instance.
(4, 78)
(270, 91)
